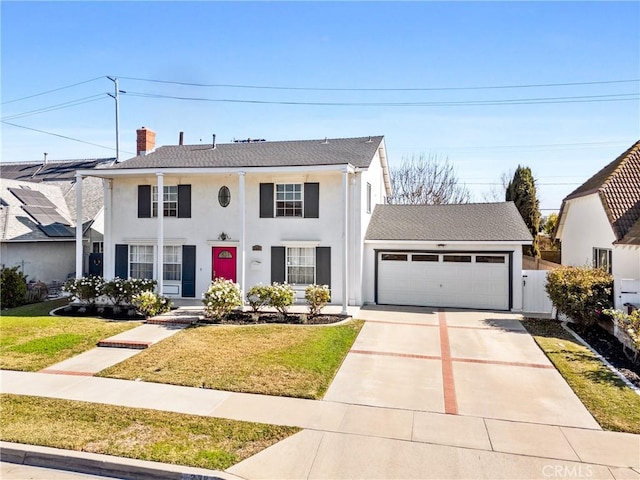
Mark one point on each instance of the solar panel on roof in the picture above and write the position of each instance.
(31, 197)
(57, 230)
(45, 215)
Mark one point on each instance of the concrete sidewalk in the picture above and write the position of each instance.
(422, 394)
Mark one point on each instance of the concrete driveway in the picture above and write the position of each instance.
(450, 394)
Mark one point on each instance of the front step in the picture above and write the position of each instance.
(132, 344)
(185, 320)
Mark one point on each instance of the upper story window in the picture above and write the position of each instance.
(368, 197)
(224, 196)
(602, 259)
(293, 200)
(289, 200)
(170, 201)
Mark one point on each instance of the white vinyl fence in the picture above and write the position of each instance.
(534, 297)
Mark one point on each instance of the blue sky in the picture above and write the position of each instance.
(398, 48)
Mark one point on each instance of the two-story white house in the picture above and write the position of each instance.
(297, 212)
(599, 224)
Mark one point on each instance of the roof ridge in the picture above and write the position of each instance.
(321, 140)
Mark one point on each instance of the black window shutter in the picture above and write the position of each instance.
(311, 200)
(278, 264)
(122, 261)
(144, 201)
(184, 201)
(188, 270)
(266, 200)
(323, 266)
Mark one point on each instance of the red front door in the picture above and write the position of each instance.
(224, 263)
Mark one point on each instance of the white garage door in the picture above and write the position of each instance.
(463, 280)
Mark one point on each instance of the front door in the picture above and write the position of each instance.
(224, 263)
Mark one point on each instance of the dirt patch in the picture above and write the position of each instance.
(610, 348)
(248, 318)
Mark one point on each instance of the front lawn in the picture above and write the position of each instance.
(283, 360)
(614, 405)
(134, 433)
(31, 340)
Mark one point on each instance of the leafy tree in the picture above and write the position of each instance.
(426, 180)
(13, 287)
(549, 225)
(522, 191)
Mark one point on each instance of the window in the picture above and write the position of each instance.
(172, 263)
(368, 197)
(170, 201)
(224, 196)
(457, 258)
(489, 259)
(98, 247)
(424, 258)
(301, 265)
(141, 261)
(602, 259)
(288, 200)
(398, 257)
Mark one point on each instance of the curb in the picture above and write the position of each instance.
(103, 465)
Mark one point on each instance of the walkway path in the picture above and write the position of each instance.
(422, 394)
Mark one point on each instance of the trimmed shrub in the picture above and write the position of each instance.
(122, 292)
(85, 289)
(628, 322)
(581, 293)
(258, 297)
(151, 304)
(281, 297)
(221, 298)
(317, 296)
(13, 288)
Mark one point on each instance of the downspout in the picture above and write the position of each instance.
(79, 256)
(160, 235)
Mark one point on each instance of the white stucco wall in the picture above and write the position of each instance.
(44, 261)
(516, 266)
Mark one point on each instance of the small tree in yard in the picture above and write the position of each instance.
(581, 293)
(522, 191)
(13, 288)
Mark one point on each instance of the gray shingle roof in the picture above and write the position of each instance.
(56, 170)
(474, 222)
(334, 151)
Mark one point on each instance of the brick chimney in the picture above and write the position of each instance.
(146, 141)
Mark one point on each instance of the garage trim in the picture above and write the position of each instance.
(508, 253)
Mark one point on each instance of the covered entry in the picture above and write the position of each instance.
(444, 279)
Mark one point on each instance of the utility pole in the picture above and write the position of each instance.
(116, 97)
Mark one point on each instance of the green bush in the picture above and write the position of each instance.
(258, 297)
(221, 298)
(317, 296)
(13, 288)
(581, 293)
(85, 289)
(151, 304)
(628, 322)
(281, 297)
(121, 291)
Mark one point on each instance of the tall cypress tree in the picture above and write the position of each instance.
(522, 191)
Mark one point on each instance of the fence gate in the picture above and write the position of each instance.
(534, 297)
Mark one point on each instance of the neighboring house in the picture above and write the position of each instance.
(599, 224)
(287, 211)
(38, 215)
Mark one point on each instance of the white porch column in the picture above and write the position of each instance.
(242, 249)
(108, 261)
(345, 241)
(79, 249)
(160, 235)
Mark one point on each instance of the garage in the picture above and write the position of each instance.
(451, 256)
(461, 279)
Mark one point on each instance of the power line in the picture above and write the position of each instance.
(51, 91)
(524, 101)
(59, 106)
(61, 136)
(417, 89)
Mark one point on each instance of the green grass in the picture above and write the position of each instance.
(134, 433)
(31, 340)
(281, 360)
(614, 405)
